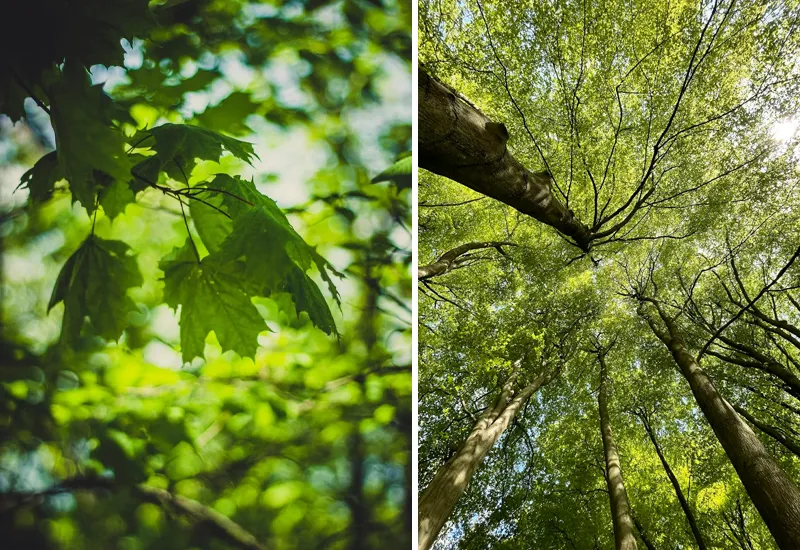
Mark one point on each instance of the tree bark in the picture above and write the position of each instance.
(621, 517)
(774, 495)
(698, 536)
(453, 258)
(459, 142)
(440, 497)
(771, 431)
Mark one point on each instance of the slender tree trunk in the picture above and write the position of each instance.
(771, 431)
(453, 258)
(698, 536)
(620, 507)
(459, 142)
(440, 497)
(774, 495)
(643, 534)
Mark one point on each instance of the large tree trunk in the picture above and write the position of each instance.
(620, 507)
(455, 257)
(774, 495)
(698, 536)
(459, 142)
(440, 497)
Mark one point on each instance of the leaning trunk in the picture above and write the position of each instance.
(698, 536)
(774, 495)
(440, 497)
(620, 507)
(459, 142)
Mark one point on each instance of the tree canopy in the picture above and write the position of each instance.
(206, 320)
(609, 222)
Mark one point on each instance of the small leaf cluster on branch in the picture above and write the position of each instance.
(253, 251)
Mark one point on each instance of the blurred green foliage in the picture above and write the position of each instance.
(146, 430)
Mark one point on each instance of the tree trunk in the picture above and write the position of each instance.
(643, 534)
(698, 536)
(455, 257)
(774, 495)
(440, 497)
(459, 142)
(620, 507)
(771, 431)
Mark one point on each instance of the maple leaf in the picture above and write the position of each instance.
(86, 142)
(93, 283)
(178, 145)
(211, 297)
(209, 221)
(307, 297)
(42, 178)
(115, 197)
(272, 248)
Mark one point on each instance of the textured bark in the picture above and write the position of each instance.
(698, 536)
(773, 493)
(455, 257)
(440, 497)
(459, 142)
(771, 431)
(621, 517)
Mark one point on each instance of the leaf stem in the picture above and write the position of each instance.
(33, 96)
(94, 215)
(189, 233)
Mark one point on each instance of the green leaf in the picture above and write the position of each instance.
(229, 114)
(211, 297)
(144, 172)
(12, 97)
(42, 178)
(272, 250)
(178, 145)
(93, 283)
(399, 173)
(307, 297)
(211, 224)
(86, 141)
(240, 197)
(115, 198)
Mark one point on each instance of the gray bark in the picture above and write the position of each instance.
(773, 493)
(440, 497)
(455, 257)
(459, 142)
(621, 517)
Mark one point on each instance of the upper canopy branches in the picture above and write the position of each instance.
(615, 114)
